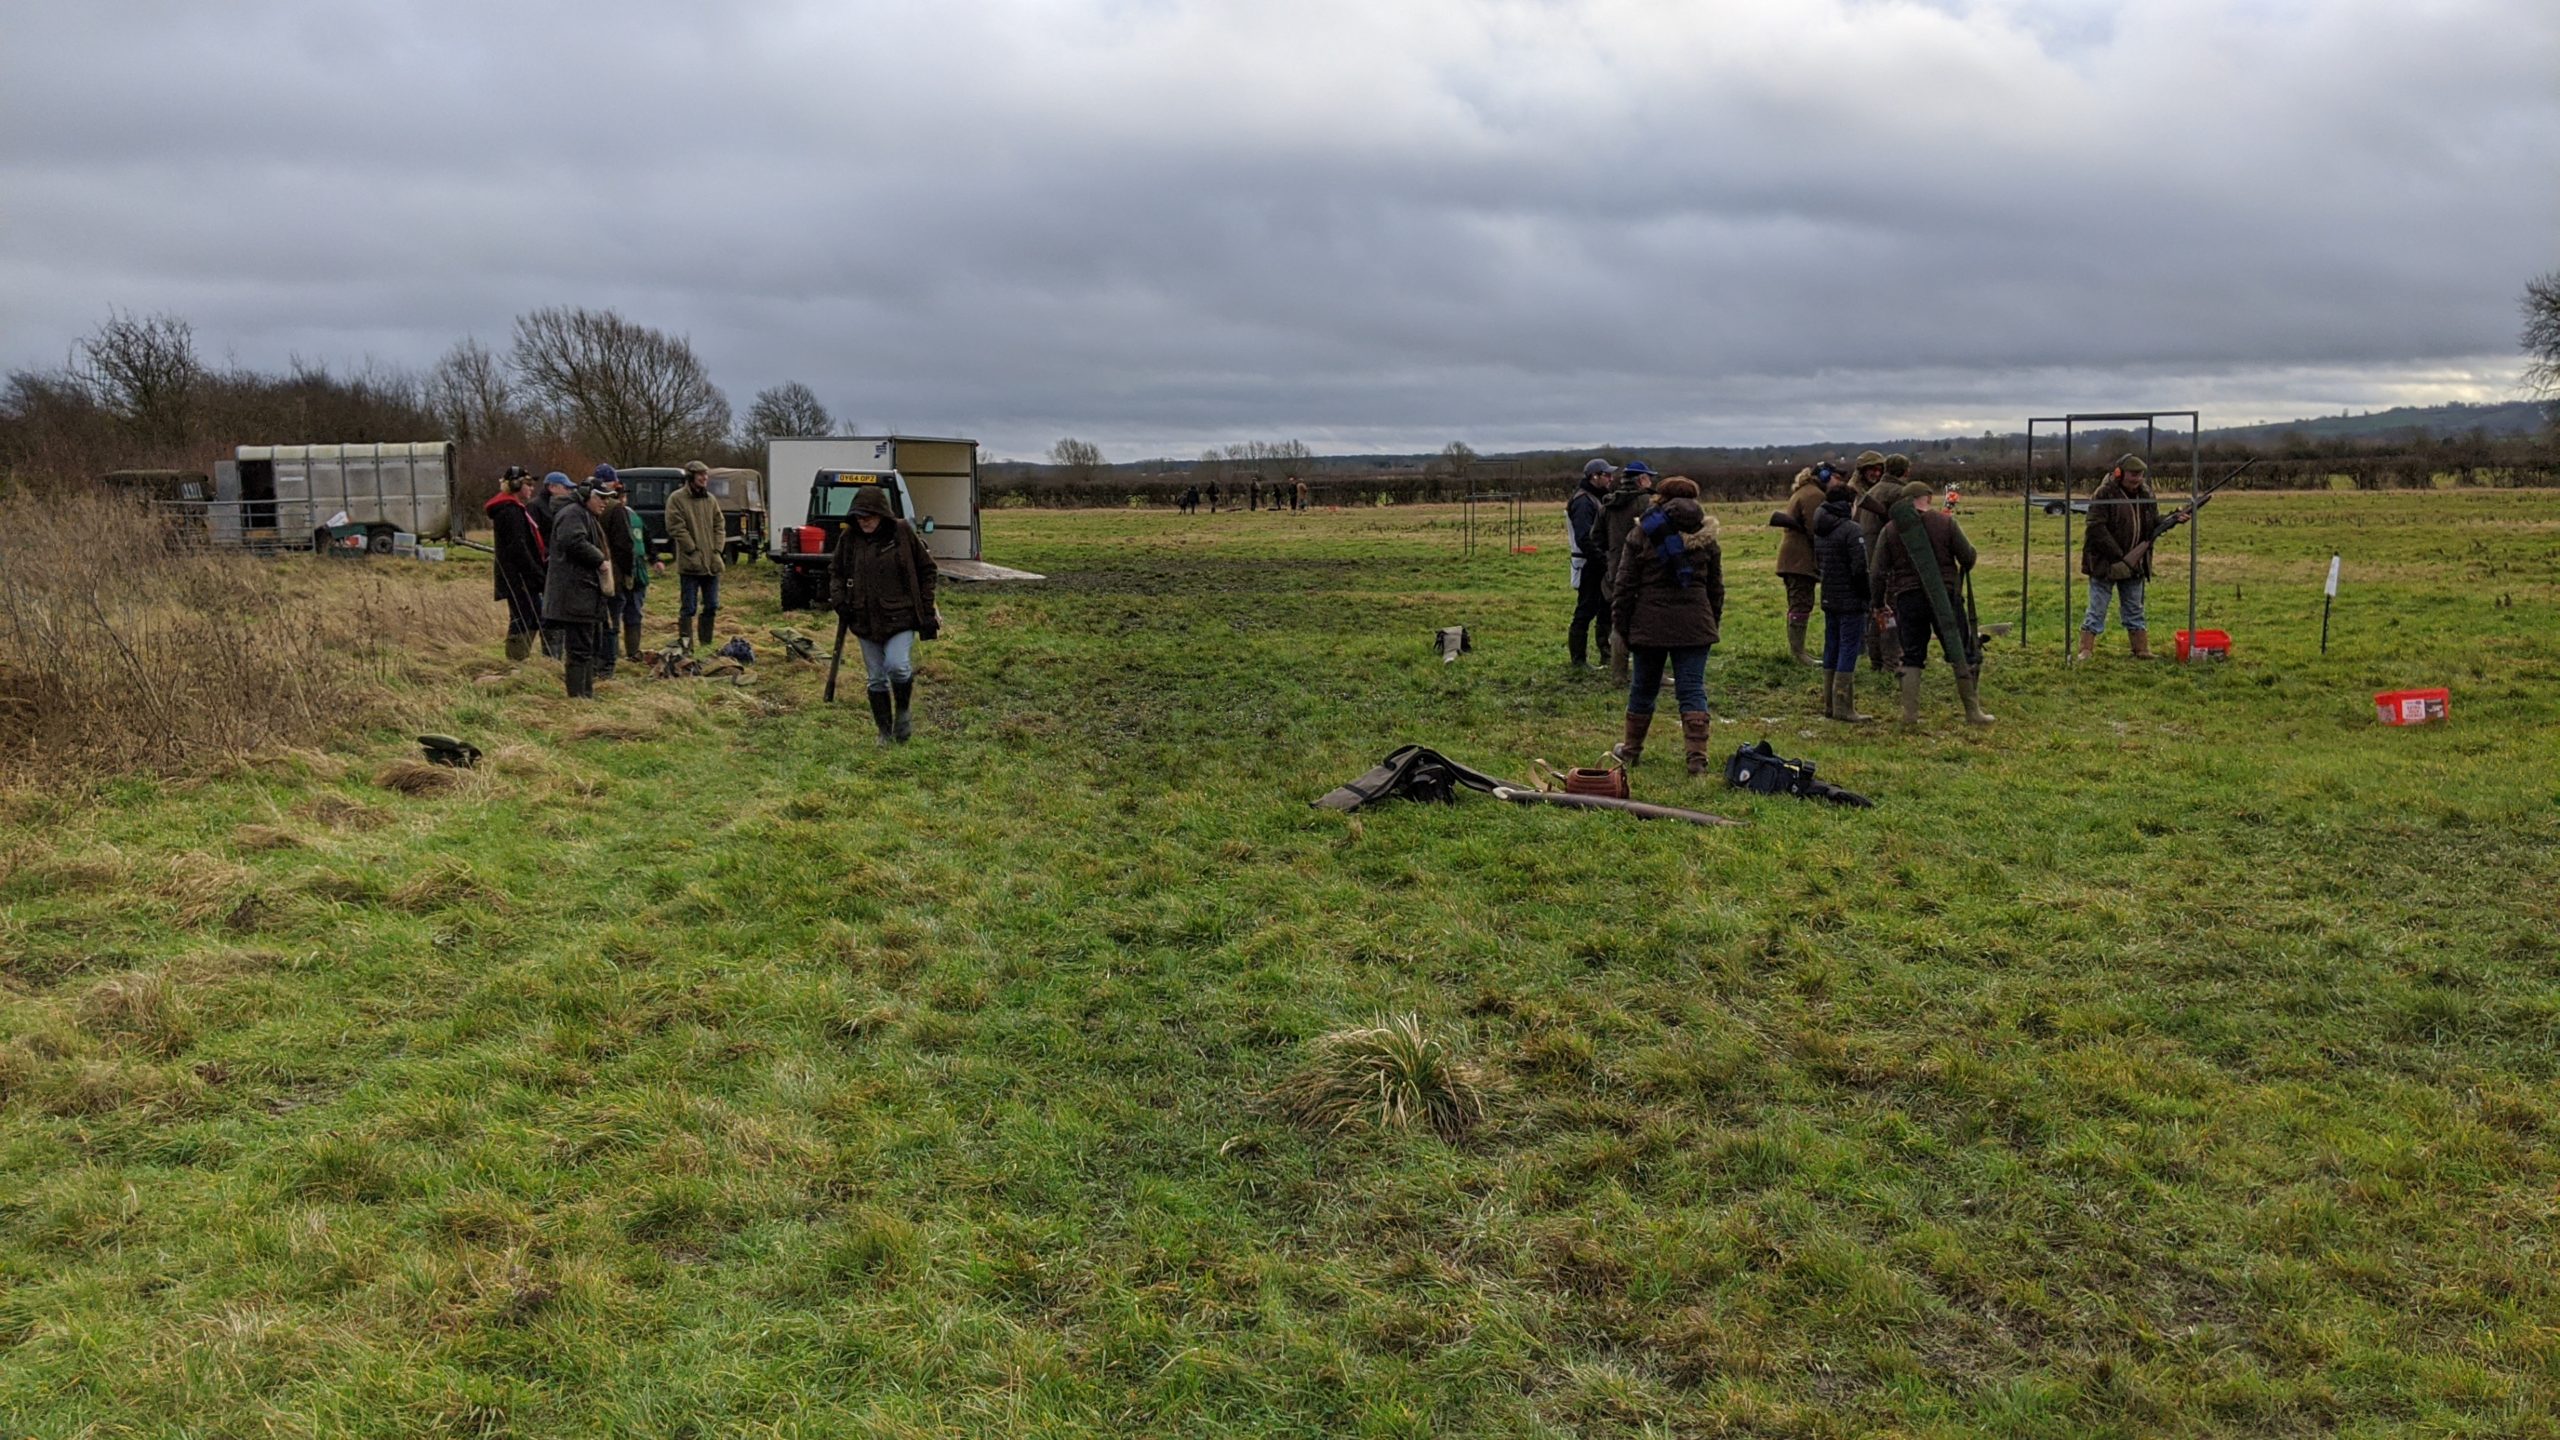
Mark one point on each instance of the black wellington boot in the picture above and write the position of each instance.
(904, 728)
(880, 712)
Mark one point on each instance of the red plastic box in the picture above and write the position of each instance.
(2216, 643)
(2412, 707)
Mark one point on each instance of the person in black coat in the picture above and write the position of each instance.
(573, 589)
(520, 569)
(1840, 555)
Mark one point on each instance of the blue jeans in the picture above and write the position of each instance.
(689, 588)
(887, 662)
(630, 604)
(1844, 638)
(2128, 605)
(1688, 677)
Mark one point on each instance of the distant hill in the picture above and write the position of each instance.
(2515, 417)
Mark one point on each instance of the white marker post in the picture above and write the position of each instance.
(2328, 598)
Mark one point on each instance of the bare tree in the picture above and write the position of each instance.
(2541, 339)
(1461, 460)
(145, 370)
(783, 410)
(636, 395)
(1080, 460)
(473, 393)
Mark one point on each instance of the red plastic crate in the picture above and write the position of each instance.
(2412, 707)
(2216, 643)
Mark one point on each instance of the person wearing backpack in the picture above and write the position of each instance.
(1668, 603)
(882, 580)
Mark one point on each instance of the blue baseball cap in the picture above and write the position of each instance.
(1636, 467)
(604, 475)
(556, 478)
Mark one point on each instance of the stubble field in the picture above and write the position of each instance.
(2175, 1058)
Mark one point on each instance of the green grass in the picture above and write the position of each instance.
(2175, 1059)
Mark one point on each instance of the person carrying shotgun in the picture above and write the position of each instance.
(1926, 558)
(2115, 553)
(882, 580)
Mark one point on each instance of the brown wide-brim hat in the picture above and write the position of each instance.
(1867, 460)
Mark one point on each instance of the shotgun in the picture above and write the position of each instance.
(837, 663)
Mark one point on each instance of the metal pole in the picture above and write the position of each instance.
(2026, 531)
(2195, 481)
(2069, 429)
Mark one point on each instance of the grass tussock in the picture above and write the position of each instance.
(417, 778)
(142, 1010)
(447, 880)
(1393, 1075)
(340, 812)
(126, 645)
(255, 837)
(200, 887)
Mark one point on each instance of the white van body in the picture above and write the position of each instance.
(941, 478)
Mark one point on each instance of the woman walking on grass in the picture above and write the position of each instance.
(1667, 605)
(882, 580)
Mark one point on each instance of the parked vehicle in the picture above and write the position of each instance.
(812, 542)
(741, 501)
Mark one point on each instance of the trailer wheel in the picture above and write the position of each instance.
(378, 540)
(795, 589)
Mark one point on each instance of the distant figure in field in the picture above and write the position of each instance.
(520, 565)
(1588, 563)
(1253, 496)
(1620, 509)
(882, 581)
(1926, 557)
(1668, 600)
(1213, 497)
(1840, 551)
(1797, 569)
(573, 588)
(2115, 553)
(1191, 500)
(1302, 495)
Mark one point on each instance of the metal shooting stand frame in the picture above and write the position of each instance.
(2071, 425)
(1516, 522)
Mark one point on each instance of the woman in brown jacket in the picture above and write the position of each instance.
(1798, 570)
(882, 580)
(1667, 605)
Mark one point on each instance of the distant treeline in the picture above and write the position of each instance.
(2502, 464)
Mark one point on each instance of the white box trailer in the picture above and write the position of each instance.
(933, 481)
(281, 495)
(941, 478)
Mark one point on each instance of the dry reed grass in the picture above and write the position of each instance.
(1389, 1076)
(125, 647)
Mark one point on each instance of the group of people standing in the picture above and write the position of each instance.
(1866, 541)
(1284, 495)
(574, 561)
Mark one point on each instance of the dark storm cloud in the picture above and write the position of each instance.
(1164, 224)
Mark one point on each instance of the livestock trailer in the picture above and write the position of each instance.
(280, 496)
(941, 481)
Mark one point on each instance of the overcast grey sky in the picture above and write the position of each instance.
(1384, 224)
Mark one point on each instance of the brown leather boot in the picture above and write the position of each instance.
(2141, 643)
(2088, 644)
(1631, 749)
(1693, 736)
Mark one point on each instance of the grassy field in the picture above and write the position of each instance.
(2176, 1058)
